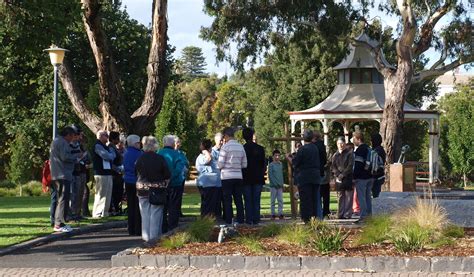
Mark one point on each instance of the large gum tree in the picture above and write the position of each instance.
(113, 107)
(251, 27)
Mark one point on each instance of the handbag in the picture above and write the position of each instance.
(346, 184)
(157, 196)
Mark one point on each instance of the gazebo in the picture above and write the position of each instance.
(360, 96)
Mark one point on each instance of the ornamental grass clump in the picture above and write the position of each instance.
(175, 241)
(298, 234)
(410, 236)
(252, 243)
(270, 230)
(201, 229)
(375, 231)
(428, 214)
(327, 238)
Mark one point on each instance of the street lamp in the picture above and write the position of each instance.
(56, 55)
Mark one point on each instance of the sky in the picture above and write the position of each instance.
(185, 18)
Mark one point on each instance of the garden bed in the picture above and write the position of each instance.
(272, 246)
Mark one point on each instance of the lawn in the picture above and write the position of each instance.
(24, 218)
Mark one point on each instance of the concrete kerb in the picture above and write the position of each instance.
(58, 236)
(359, 264)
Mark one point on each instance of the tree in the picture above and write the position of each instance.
(192, 63)
(113, 107)
(255, 25)
(176, 119)
(458, 114)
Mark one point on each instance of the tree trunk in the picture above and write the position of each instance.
(113, 107)
(397, 86)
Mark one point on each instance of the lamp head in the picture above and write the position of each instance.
(56, 54)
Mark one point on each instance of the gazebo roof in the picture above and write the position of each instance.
(360, 55)
(357, 101)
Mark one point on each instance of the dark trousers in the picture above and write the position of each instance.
(310, 201)
(377, 187)
(133, 211)
(325, 196)
(233, 188)
(210, 201)
(117, 194)
(85, 201)
(175, 198)
(252, 194)
(63, 191)
(181, 203)
(54, 202)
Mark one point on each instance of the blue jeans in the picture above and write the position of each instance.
(152, 218)
(232, 188)
(364, 195)
(252, 195)
(310, 202)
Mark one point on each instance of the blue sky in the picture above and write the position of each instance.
(185, 18)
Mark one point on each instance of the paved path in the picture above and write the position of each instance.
(116, 272)
(92, 250)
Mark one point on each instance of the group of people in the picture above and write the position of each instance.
(228, 172)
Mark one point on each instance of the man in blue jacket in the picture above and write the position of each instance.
(176, 165)
(362, 176)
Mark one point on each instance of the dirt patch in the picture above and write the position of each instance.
(273, 247)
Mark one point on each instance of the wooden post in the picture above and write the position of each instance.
(294, 208)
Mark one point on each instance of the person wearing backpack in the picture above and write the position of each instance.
(378, 170)
(362, 175)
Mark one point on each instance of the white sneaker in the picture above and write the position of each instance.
(63, 229)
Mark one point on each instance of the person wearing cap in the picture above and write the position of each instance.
(306, 163)
(102, 158)
(132, 153)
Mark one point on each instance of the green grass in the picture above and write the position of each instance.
(25, 218)
(176, 241)
(252, 243)
(297, 234)
(375, 231)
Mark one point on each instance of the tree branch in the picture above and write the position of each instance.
(432, 73)
(444, 55)
(92, 121)
(144, 116)
(408, 34)
(110, 88)
(426, 30)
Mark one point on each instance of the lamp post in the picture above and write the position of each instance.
(56, 55)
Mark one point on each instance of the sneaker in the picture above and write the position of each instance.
(273, 217)
(281, 217)
(63, 229)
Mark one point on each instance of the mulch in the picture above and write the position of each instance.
(273, 247)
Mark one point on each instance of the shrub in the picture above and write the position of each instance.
(33, 188)
(410, 236)
(453, 231)
(252, 243)
(7, 184)
(175, 241)
(295, 234)
(375, 231)
(4, 192)
(201, 229)
(270, 230)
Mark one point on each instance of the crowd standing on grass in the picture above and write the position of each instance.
(152, 179)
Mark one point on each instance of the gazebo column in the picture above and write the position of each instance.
(326, 123)
(346, 125)
(302, 131)
(293, 129)
(434, 149)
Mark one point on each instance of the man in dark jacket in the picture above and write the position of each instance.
(324, 186)
(254, 177)
(362, 176)
(307, 174)
(102, 158)
(379, 178)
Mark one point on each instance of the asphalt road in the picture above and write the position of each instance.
(92, 250)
